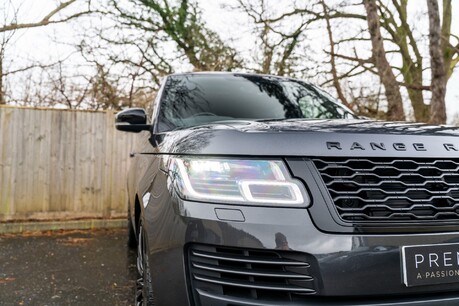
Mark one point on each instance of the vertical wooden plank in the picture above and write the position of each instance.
(97, 161)
(15, 155)
(40, 161)
(15, 142)
(85, 160)
(56, 162)
(115, 166)
(100, 152)
(70, 199)
(46, 170)
(84, 150)
(8, 130)
(31, 159)
(109, 163)
(22, 163)
(44, 174)
(73, 173)
(81, 155)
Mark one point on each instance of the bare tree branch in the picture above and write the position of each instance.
(46, 20)
(334, 72)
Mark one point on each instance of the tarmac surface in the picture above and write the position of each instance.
(90, 267)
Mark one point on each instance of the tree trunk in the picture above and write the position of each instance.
(421, 110)
(448, 52)
(392, 89)
(438, 83)
(413, 76)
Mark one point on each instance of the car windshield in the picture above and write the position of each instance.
(194, 99)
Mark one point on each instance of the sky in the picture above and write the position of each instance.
(48, 44)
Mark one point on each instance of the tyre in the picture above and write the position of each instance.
(132, 240)
(144, 290)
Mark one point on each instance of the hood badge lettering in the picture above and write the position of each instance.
(380, 146)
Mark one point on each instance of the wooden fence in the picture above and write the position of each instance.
(61, 164)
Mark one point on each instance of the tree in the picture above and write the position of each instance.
(279, 40)
(404, 46)
(10, 26)
(179, 22)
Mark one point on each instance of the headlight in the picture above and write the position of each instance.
(236, 181)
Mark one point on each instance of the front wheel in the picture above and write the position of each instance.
(144, 290)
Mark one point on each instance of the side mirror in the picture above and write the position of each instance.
(132, 120)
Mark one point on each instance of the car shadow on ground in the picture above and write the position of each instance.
(91, 267)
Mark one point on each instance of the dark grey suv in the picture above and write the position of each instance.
(258, 190)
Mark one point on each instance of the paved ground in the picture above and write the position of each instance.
(67, 268)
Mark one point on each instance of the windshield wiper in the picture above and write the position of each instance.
(269, 119)
(280, 119)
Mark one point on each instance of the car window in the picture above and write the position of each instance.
(190, 100)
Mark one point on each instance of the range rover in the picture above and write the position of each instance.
(250, 189)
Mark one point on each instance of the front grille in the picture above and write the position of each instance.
(281, 276)
(392, 190)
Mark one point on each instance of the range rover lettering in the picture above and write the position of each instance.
(252, 189)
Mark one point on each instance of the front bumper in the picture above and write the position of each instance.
(445, 300)
(349, 269)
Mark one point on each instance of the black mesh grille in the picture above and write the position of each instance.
(282, 276)
(388, 190)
